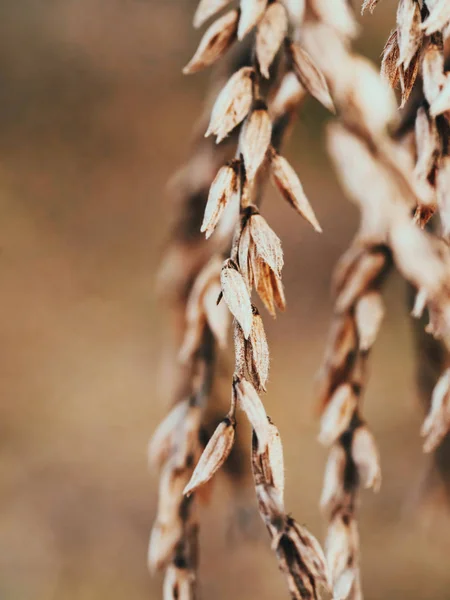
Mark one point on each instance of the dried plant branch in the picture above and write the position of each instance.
(258, 102)
(190, 278)
(298, 48)
(379, 174)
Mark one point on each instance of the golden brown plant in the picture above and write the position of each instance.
(389, 182)
(291, 48)
(252, 110)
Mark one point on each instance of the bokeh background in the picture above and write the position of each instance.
(94, 118)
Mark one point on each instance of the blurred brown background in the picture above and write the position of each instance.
(94, 117)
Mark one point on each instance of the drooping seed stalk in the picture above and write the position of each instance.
(432, 357)
(190, 278)
(258, 102)
(379, 175)
(416, 48)
(295, 46)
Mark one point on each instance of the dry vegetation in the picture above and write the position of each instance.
(290, 49)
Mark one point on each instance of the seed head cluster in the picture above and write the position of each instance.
(275, 53)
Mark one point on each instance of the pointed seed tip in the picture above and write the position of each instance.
(187, 490)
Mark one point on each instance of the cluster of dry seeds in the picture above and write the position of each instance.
(190, 277)
(389, 183)
(416, 47)
(255, 106)
(386, 179)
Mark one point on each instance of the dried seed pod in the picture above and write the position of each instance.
(427, 144)
(365, 271)
(223, 187)
(240, 365)
(195, 322)
(267, 243)
(200, 311)
(251, 404)
(214, 455)
(291, 189)
(168, 528)
(333, 483)
(252, 361)
(369, 313)
(408, 78)
(162, 442)
(342, 342)
(271, 32)
(419, 304)
(232, 104)
(362, 90)
(192, 337)
(268, 466)
(236, 296)
(275, 457)
(341, 548)
(288, 96)
(437, 423)
(270, 508)
(416, 257)
(346, 586)
(277, 290)
(310, 76)
(441, 104)
(251, 13)
(255, 139)
(389, 63)
(216, 40)
(163, 540)
(296, 11)
(337, 15)
(303, 568)
(187, 445)
(299, 582)
(310, 552)
(337, 415)
(409, 31)
(363, 179)
(438, 18)
(258, 350)
(366, 458)
(217, 315)
(262, 275)
(207, 9)
(432, 72)
(172, 482)
(178, 584)
(443, 193)
(346, 264)
(245, 244)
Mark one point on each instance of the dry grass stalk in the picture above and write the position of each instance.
(190, 278)
(254, 107)
(422, 28)
(381, 176)
(256, 103)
